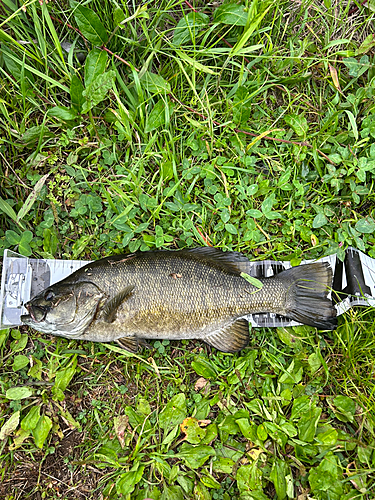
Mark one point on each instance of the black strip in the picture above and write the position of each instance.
(354, 277)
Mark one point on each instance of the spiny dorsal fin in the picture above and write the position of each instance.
(111, 306)
(232, 262)
(231, 338)
(128, 343)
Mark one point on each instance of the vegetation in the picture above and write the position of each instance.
(244, 125)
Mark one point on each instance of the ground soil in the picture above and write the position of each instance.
(53, 473)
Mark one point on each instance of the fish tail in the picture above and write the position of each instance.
(307, 295)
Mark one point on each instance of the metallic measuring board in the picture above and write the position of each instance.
(353, 284)
(23, 278)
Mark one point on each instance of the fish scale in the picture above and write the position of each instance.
(182, 296)
(200, 293)
(179, 298)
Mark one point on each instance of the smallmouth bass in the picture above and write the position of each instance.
(184, 294)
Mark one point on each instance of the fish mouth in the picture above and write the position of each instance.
(36, 313)
(25, 318)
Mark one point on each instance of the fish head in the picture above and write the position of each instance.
(63, 309)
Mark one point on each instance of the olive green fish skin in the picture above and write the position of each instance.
(177, 298)
(177, 295)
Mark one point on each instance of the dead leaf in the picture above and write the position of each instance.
(200, 383)
(175, 275)
(10, 425)
(192, 430)
(254, 453)
(335, 77)
(314, 240)
(203, 423)
(302, 497)
(121, 424)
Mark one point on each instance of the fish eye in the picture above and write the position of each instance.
(49, 295)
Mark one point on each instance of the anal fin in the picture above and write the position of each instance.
(231, 338)
(128, 343)
(111, 306)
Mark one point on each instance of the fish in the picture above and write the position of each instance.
(200, 293)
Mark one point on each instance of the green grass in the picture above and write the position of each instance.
(152, 134)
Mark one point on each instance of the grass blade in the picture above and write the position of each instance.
(8, 210)
(32, 198)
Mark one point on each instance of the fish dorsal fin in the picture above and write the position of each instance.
(111, 306)
(128, 343)
(232, 262)
(231, 338)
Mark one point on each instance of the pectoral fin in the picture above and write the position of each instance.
(111, 306)
(231, 338)
(128, 343)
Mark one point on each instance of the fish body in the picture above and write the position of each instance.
(185, 294)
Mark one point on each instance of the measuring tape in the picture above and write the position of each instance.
(23, 278)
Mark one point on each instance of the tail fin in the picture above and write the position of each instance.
(307, 290)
